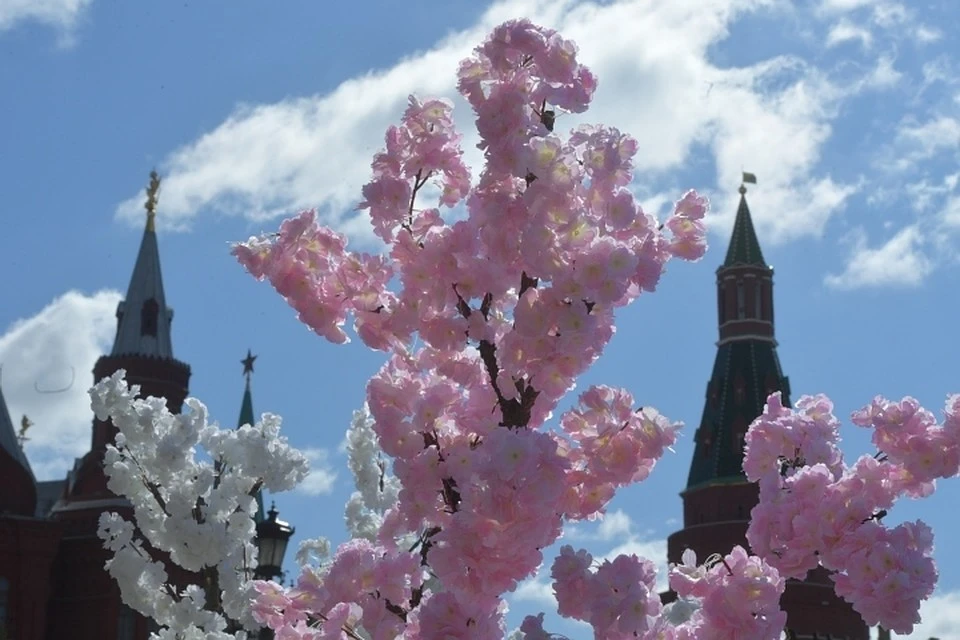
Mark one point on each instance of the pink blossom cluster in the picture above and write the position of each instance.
(739, 597)
(508, 307)
(364, 585)
(310, 267)
(816, 511)
(726, 598)
(425, 146)
(619, 599)
(617, 445)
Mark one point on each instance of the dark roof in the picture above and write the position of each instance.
(744, 247)
(48, 493)
(143, 318)
(9, 441)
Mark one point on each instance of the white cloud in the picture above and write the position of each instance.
(941, 618)
(656, 82)
(928, 138)
(890, 14)
(951, 213)
(62, 14)
(925, 34)
(846, 31)
(899, 262)
(615, 524)
(884, 75)
(840, 6)
(56, 349)
(321, 477)
(924, 195)
(538, 590)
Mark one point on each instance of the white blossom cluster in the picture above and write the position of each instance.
(195, 507)
(377, 489)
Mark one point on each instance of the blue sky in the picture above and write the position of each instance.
(848, 111)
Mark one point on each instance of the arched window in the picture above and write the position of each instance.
(741, 301)
(149, 315)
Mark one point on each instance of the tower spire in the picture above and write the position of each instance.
(744, 247)
(143, 318)
(246, 417)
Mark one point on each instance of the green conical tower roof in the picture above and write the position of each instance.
(744, 247)
(246, 417)
(747, 367)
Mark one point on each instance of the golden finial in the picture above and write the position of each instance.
(25, 424)
(151, 204)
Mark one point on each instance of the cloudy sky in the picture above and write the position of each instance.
(848, 111)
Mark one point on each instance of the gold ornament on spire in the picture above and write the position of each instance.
(151, 204)
(25, 424)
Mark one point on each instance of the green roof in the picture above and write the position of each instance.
(744, 246)
(246, 417)
(743, 374)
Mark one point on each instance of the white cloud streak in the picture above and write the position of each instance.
(901, 261)
(846, 31)
(61, 14)
(52, 350)
(656, 82)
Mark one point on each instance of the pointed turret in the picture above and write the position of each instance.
(744, 247)
(143, 318)
(246, 417)
(18, 486)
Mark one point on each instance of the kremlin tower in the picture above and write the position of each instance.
(718, 498)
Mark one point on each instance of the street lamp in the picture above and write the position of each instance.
(272, 538)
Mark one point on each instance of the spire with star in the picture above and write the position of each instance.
(246, 417)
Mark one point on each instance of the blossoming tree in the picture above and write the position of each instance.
(510, 304)
(192, 508)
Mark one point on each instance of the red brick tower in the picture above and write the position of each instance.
(28, 542)
(86, 602)
(718, 498)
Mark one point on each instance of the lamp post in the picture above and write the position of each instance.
(272, 538)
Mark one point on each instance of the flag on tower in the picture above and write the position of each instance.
(749, 177)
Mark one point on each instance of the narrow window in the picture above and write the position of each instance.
(149, 315)
(768, 289)
(757, 292)
(741, 301)
(126, 623)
